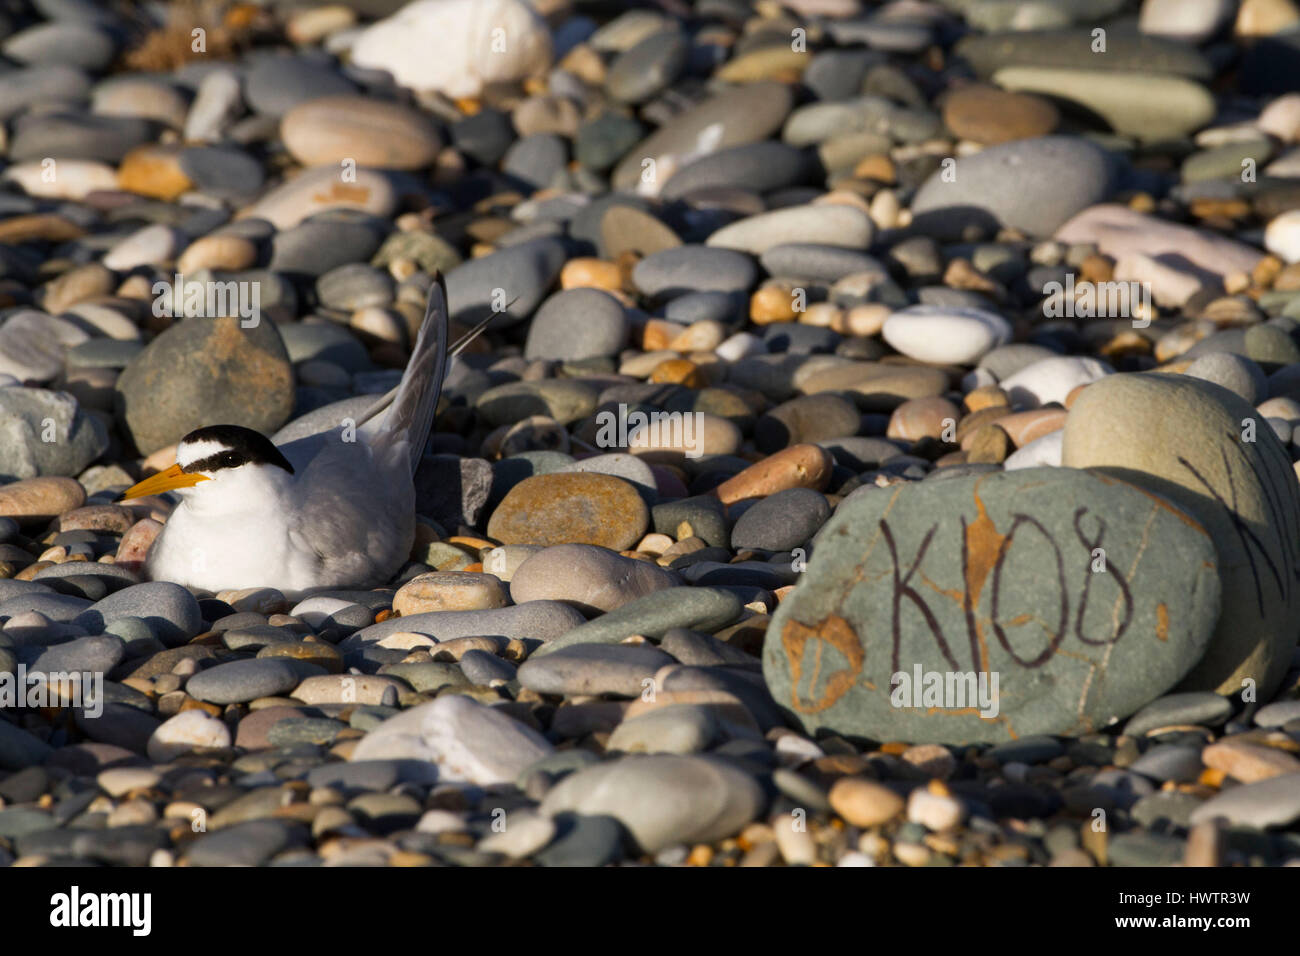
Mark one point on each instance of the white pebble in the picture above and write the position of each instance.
(187, 731)
(1045, 451)
(1282, 236)
(1052, 379)
(934, 811)
(945, 336)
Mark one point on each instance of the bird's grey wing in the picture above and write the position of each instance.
(356, 514)
(410, 417)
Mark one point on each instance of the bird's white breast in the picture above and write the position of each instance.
(234, 534)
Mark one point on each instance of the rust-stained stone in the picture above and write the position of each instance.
(997, 574)
(571, 508)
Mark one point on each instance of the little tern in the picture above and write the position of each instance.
(330, 510)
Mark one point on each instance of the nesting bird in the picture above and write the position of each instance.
(331, 510)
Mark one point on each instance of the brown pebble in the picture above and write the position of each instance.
(36, 501)
(772, 303)
(571, 508)
(986, 396)
(989, 445)
(1024, 427)
(799, 466)
(924, 418)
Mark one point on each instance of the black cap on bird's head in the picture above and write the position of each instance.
(214, 447)
(207, 451)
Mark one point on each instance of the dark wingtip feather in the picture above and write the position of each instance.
(412, 412)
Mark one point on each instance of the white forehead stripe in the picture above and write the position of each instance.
(189, 452)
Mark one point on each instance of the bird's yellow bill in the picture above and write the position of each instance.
(173, 477)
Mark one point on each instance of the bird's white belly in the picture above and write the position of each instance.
(219, 552)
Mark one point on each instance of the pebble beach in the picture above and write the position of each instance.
(882, 450)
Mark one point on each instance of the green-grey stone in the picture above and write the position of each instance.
(1270, 347)
(19, 821)
(1171, 106)
(705, 514)
(429, 677)
(701, 609)
(431, 253)
(565, 400)
(994, 573)
(300, 730)
(1198, 707)
(1225, 162)
(1141, 848)
(1165, 809)
(1052, 48)
(601, 142)
(371, 716)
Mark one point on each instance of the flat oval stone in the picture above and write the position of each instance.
(1170, 107)
(564, 400)
(141, 96)
(1269, 803)
(43, 83)
(67, 135)
(86, 654)
(1126, 50)
(809, 418)
(781, 521)
(170, 611)
(572, 508)
(692, 268)
(332, 129)
(468, 741)
(188, 731)
(649, 66)
(276, 84)
(663, 799)
(758, 167)
(587, 669)
(1183, 438)
(741, 114)
(1033, 185)
(818, 261)
(251, 843)
(449, 591)
(323, 243)
(989, 115)
(240, 681)
(591, 579)
(322, 189)
(945, 336)
(516, 278)
(539, 620)
(37, 501)
(827, 224)
(577, 324)
(942, 582)
(698, 608)
(1123, 233)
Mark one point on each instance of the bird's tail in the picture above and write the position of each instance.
(410, 416)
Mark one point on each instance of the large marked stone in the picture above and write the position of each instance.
(997, 575)
(1190, 441)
